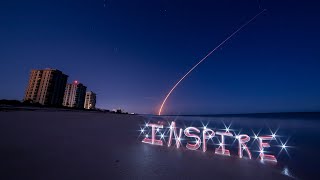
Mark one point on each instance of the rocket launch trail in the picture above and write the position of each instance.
(205, 57)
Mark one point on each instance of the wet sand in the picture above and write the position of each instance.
(57, 145)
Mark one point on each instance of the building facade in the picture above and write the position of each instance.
(90, 100)
(46, 87)
(74, 95)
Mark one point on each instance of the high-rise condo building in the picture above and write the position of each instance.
(90, 101)
(74, 95)
(46, 87)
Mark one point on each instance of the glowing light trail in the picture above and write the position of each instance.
(207, 133)
(165, 99)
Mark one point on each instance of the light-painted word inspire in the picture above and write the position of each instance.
(193, 132)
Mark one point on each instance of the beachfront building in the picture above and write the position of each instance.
(46, 87)
(74, 95)
(90, 100)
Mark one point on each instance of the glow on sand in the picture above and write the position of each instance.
(234, 33)
(208, 134)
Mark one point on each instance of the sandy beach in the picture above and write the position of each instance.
(90, 145)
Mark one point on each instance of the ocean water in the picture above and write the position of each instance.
(300, 132)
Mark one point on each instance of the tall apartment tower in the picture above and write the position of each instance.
(74, 95)
(46, 87)
(90, 101)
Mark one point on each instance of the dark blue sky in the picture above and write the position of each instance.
(131, 52)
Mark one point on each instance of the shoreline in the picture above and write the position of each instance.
(73, 145)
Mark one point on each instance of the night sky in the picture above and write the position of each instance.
(131, 52)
